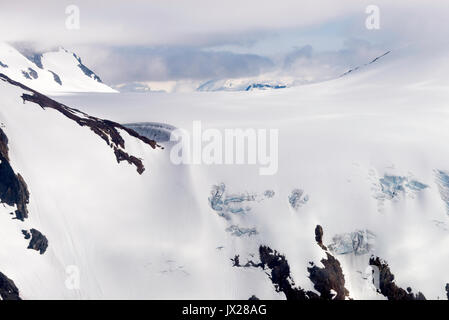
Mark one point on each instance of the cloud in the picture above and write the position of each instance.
(160, 22)
(119, 65)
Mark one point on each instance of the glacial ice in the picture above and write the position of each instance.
(297, 198)
(392, 187)
(358, 242)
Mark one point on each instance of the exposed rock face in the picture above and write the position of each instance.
(253, 297)
(329, 278)
(109, 131)
(38, 241)
(280, 275)
(328, 281)
(13, 189)
(319, 237)
(447, 291)
(8, 290)
(56, 78)
(387, 286)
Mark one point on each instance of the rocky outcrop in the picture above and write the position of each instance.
(280, 275)
(38, 241)
(388, 287)
(8, 290)
(447, 290)
(107, 130)
(329, 280)
(13, 189)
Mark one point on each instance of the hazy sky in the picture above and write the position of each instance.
(137, 40)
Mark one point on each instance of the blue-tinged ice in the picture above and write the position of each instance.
(297, 198)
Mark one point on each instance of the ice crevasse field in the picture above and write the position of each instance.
(364, 154)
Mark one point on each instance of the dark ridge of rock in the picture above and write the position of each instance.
(324, 279)
(38, 241)
(13, 189)
(4, 149)
(387, 286)
(26, 234)
(253, 298)
(105, 129)
(8, 290)
(236, 261)
(123, 156)
(280, 275)
(366, 64)
(33, 73)
(3, 65)
(447, 290)
(30, 74)
(56, 77)
(26, 75)
(319, 236)
(329, 278)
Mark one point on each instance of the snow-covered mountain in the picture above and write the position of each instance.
(362, 186)
(51, 72)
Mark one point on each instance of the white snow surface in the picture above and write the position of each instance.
(61, 62)
(155, 235)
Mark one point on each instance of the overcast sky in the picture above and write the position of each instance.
(137, 40)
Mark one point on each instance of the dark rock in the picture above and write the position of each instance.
(3, 65)
(86, 70)
(38, 241)
(447, 291)
(36, 58)
(329, 278)
(30, 74)
(13, 189)
(253, 297)
(236, 261)
(280, 275)
(324, 279)
(26, 234)
(319, 236)
(26, 75)
(56, 77)
(8, 290)
(387, 285)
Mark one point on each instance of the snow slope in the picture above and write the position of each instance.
(52, 72)
(364, 156)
